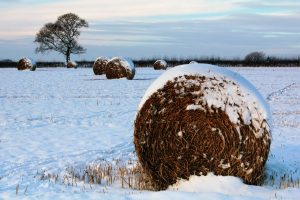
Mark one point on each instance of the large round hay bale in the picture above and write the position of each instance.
(120, 68)
(160, 64)
(199, 118)
(25, 64)
(72, 64)
(99, 66)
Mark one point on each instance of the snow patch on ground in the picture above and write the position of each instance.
(228, 186)
(57, 118)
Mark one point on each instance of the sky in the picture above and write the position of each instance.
(157, 28)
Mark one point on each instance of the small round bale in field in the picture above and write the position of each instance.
(33, 68)
(160, 64)
(99, 66)
(120, 68)
(72, 64)
(26, 64)
(199, 118)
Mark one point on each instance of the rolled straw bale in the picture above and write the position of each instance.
(120, 68)
(24, 64)
(160, 64)
(99, 66)
(199, 118)
(33, 67)
(72, 64)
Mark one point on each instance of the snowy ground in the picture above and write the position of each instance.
(52, 119)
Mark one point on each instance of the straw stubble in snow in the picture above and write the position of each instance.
(57, 119)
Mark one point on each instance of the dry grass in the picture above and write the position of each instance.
(283, 181)
(127, 175)
(17, 189)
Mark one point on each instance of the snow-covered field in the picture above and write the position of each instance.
(54, 119)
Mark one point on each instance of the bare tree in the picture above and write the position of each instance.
(255, 57)
(61, 36)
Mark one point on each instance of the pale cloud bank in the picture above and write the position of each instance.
(140, 28)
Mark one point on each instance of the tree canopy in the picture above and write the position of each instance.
(61, 36)
(255, 57)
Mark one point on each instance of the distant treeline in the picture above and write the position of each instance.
(268, 62)
(13, 64)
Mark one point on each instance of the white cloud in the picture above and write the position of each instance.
(29, 16)
(169, 27)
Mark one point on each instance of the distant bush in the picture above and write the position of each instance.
(50, 64)
(7, 63)
(255, 57)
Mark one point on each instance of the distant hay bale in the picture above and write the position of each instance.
(72, 64)
(120, 68)
(99, 66)
(196, 119)
(193, 62)
(160, 64)
(25, 64)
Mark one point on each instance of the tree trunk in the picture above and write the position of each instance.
(68, 55)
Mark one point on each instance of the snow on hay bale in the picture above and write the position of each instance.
(193, 62)
(160, 64)
(120, 68)
(99, 66)
(199, 118)
(72, 64)
(26, 63)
